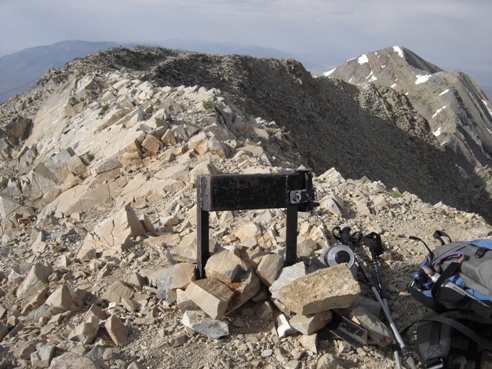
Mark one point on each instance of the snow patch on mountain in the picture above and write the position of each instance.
(422, 78)
(371, 77)
(487, 106)
(363, 59)
(399, 51)
(326, 74)
(438, 111)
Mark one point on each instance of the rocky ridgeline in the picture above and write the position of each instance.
(457, 110)
(98, 212)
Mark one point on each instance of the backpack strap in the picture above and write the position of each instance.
(434, 343)
(435, 337)
(450, 319)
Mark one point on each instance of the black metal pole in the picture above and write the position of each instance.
(202, 242)
(291, 235)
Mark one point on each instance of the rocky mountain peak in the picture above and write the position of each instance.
(458, 112)
(385, 65)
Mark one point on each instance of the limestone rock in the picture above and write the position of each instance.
(312, 323)
(35, 280)
(38, 298)
(85, 332)
(200, 323)
(224, 266)
(117, 291)
(186, 250)
(117, 330)
(307, 248)
(71, 360)
(183, 275)
(211, 295)
(184, 302)
(113, 231)
(18, 127)
(309, 342)
(325, 289)
(62, 298)
(269, 268)
(247, 232)
(42, 357)
(245, 287)
(329, 361)
(287, 275)
(164, 285)
(151, 144)
(283, 327)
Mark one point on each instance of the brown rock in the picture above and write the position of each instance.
(325, 289)
(269, 268)
(36, 279)
(245, 288)
(211, 295)
(71, 360)
(223, 266)
(117, 330)
(117, 291)
(61, 298)
(151, 144)
(183, 275)
(312, 323)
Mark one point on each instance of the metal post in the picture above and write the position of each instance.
(291, 235)
(203, 234)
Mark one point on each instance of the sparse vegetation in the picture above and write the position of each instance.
(103, 110)
(209, 104)
(79, 76)
(395, 194)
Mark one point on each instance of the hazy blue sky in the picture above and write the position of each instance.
(448, 33)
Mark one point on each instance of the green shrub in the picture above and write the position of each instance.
(103, 110)
(209, 104)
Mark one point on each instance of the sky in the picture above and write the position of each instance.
(453, 34)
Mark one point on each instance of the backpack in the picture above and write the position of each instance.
(455, 281)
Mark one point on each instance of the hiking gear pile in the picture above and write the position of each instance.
(455, 281)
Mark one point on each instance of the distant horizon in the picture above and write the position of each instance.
(481, 75)
(453, 34)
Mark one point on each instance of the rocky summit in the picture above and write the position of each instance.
(457, 110)
(98, 208)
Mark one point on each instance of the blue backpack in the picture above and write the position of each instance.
(455, 281)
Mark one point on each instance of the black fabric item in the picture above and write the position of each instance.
(434, 343)
(451, 320)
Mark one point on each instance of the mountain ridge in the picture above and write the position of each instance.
(100, 210)
(455, 107)
(312, 110)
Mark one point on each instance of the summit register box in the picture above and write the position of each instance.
(220, 192)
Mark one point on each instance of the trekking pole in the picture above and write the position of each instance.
(373, 241)
(348, 239)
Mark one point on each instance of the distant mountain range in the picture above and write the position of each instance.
(21, 69)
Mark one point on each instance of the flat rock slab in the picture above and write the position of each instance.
(200, 323)
(72, 360)
(324, 289)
